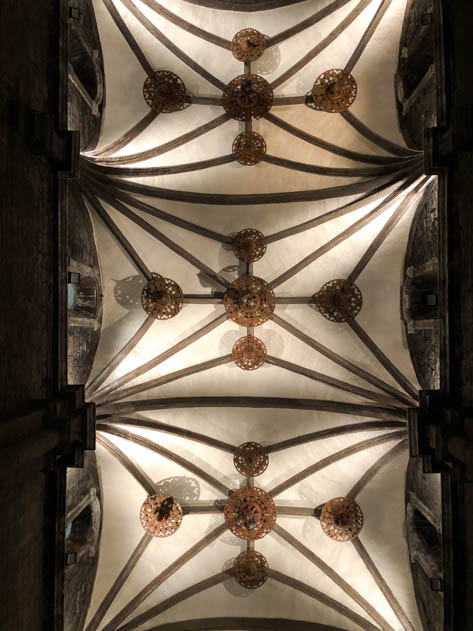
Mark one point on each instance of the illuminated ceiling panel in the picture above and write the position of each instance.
(333, 197)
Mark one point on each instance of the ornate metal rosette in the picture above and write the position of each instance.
(249, 301)
(249, 245)
(247, 96)
(162, 298)
(341, 519)
(249, 352)
(339, 300)
(165, 92)
(161, 515)
(250, 569)
(249, 148)
(250, 513)
(251, 459)
(334, 91)
(248, 45)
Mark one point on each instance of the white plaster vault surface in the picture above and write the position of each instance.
(382, 500)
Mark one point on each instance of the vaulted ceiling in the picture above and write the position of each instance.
(329, 403)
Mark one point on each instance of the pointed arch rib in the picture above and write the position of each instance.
(123, 614)
(376, 467)
(165, 41)
(333, 576)
(318, 405)
(335, 431)
(379, 140)
(378, 210)
(367, 35)
(382, 584)
(125, 138)
(130, 40)
(99, 379)
(330, 147)
(395, 373)
(322, 45)
(117, 395)
(152, 363)
(344, 363)
(303, 588)
(230, 199)
(331, 381)
(167, 146)
(244, 624)
(119, 582)
(170, 429)
(341, 211)
(118, 235)
(110, 193)
(161, 170)
(388, 227)
(176, 599)
(335, 457)
(165, 453)
(308, 22)
(129, 464)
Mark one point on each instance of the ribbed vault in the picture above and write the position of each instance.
(332, 197)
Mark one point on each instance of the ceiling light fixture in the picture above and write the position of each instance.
(250, 569)
(249, 148)
(249, 301)
(249, 245)
(162, 298)
(339, 300)
(161, 515)
(250, 513)
(247, 96)
(334, 91)
(251, 459)
(341, 519)
(165, 92)
(249, 352)
(248, 45)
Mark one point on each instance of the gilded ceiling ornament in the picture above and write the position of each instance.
(165, 92)
(249, 148)
(249, 352)
(341, 519)
(251, 459)
(250, 513)
(161, 515)
(247, 96)
(162, 298)
(334, 91)
(339, 300)
(248, 45)
(249, 245)
(249, 301)
(250, 569)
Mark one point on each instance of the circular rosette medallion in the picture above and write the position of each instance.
(247, 96)
(249, 352)
(250, 569)
(339, 300)
(251, 459)
(249, 245)
(162, 298)
(161, 515)
(165, 92)
(249, 301)
(334, 91)
(341, 519)
(248, 45)
(249, 148)
(250, 513)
